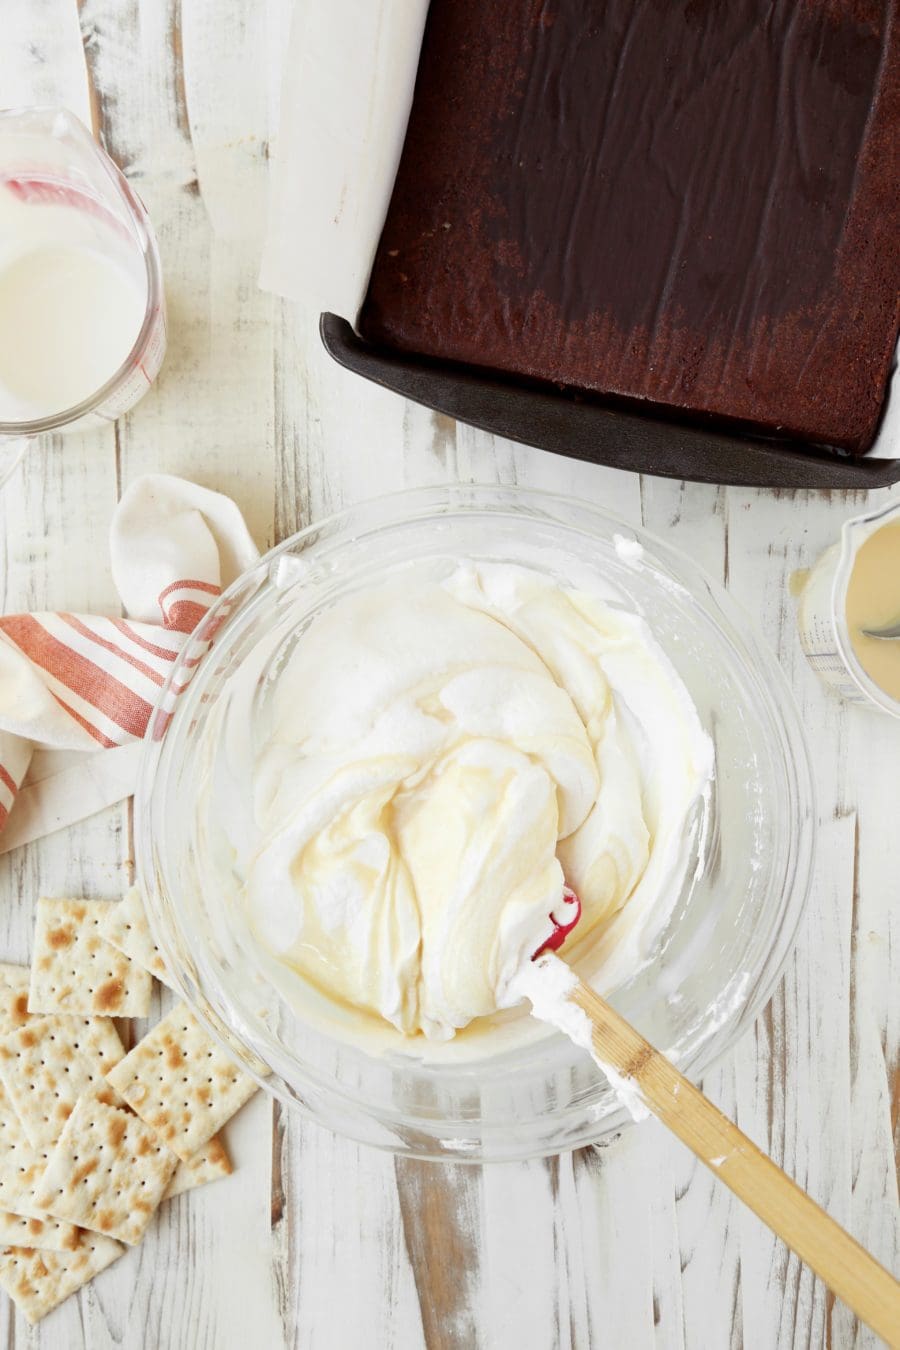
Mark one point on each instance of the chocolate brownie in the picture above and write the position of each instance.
(689, 203)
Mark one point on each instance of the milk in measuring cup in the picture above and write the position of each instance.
(73, 296)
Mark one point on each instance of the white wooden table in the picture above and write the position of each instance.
(317, 1242)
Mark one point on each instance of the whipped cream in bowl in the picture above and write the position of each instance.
(406, 732)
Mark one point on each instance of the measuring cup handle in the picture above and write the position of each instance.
(12, 450)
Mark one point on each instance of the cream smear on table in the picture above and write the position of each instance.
(73, 296)
(443, 752)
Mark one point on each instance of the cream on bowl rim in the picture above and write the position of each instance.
(543, 1099)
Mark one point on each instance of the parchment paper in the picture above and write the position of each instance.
(348, 83)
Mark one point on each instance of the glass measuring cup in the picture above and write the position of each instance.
(78, 264)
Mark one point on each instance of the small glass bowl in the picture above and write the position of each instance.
(822, 613)
(710, 968)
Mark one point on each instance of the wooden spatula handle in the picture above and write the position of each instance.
(838, 1260)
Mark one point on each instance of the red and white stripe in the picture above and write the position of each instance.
(105, 674)
(155, 646)
(15, 756)
(8, 789)
(184, 604)
(74, 681)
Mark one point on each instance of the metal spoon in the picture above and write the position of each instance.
(889, 634)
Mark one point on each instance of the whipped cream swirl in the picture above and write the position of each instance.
(444, 755)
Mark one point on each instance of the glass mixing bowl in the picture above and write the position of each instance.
(711, 966)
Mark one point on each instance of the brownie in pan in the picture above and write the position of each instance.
(683, 206)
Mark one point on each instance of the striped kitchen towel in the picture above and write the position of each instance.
(85, 682)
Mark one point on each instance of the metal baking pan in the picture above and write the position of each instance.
(587, 429)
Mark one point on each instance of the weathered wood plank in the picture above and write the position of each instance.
(797, 1094)
(346, 1280)
(55, 514)
(201, 1277)
(41, 59)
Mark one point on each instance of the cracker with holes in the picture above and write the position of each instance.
(38, 1281)
(125, 926)
(21, 1168)
(180, 1082)
(75, 970)
(48, 1063)
(209, 1163)
(46, 1234)
(14, 982)
(108, 1171)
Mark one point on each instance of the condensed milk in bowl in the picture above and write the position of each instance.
(850, 604)
(82, 318)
